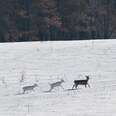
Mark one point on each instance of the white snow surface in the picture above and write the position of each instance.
(48, 62)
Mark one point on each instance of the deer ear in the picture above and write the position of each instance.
(87, 76)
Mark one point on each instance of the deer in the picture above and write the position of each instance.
(81, 82)
(29, 88)
(56, 84)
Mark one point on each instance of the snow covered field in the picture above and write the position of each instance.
(47, 62)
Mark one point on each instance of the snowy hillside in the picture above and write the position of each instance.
(23, 64)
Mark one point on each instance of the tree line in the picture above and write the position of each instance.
(43, 20)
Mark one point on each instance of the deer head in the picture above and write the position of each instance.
(36, 85)
(87, 77)
(62, 80)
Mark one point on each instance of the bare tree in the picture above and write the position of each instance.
(22, 77)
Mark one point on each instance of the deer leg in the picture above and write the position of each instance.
(50, 89)
(85, 85)
(76, 86)
(88, 85)
(73, 86)
(23, 91)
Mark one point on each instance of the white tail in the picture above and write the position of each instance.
(28, 88)
(56, 84)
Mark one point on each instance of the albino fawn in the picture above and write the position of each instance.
(28, 88)
(56, 84)
(81, 82)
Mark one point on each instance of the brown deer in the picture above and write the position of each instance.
(81, 82)
(29, 88)
(56, 84)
